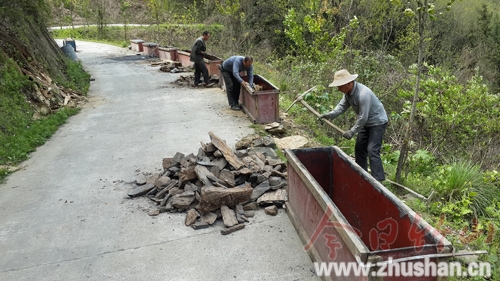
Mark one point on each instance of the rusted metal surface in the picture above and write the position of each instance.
(168, 53)
(183, 57)
(261, 106)
(136, 45)
(343, 214)
(150, 49)
(211, 62)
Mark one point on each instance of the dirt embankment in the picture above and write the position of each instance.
(24, 40)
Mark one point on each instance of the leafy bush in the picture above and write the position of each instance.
(455, 119)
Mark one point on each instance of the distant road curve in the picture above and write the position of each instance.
(79, 26)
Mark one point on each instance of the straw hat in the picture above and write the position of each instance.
(342, 77)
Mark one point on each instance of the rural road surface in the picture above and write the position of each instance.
(66, 215)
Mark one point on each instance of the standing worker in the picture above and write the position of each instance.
(198, 50)
(231, 69)
(370, 124)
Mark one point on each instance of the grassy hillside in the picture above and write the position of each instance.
(33, 74)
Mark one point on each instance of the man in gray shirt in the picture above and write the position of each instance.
(370, 124)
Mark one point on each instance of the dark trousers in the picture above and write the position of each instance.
(232, 87)
(199, 69)
(368, 145)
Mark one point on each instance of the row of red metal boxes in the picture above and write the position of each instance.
(262, 106)
(154, 50)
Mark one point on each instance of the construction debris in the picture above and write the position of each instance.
(218, 183)
(47, 96)
(188, 80)
(275, 128)
(291, 142)
(172, 67)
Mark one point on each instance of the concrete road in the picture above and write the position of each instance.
(65, 216)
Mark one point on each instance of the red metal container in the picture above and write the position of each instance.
(136, 45)
(183, 57)
(261, 106)
(211, 62)
(342, 214)
(168, 53)
(151, 49)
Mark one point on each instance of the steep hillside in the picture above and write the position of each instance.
(83, 12)
(38, 84)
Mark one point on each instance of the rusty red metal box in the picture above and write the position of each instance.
(136, 45)
(183, 57)
(211, 62)
(342, 214)
(168, 53)
(150, 49)
(261, 106)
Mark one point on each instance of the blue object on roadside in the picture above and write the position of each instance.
(71, 42)
(70, 52)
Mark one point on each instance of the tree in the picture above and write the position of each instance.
(425, 10)
(99, 6)
(157, 8)
(124, 7)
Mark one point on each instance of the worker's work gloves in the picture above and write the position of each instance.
(348, 134)
(325, 116)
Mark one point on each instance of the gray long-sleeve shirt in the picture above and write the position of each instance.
(368, 108)
(235, 65)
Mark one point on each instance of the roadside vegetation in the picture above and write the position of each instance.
(433, 63)
(20, 131)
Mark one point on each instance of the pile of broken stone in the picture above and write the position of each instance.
(219, 183)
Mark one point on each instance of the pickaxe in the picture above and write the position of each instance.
(300, 99)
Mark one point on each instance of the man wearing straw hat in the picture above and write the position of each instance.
(370, 124)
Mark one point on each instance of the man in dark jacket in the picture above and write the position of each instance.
(198, 50)
(230, 70)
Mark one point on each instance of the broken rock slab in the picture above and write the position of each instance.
(291, 142)
(228, 216)
(215, 197)
(232, 229)
(260, 189)
(271, 210)
(251, 206)
(183, 200)
(278, 197)
(200, 225)
(141, 190)
(191, 217)
(246, 141)
(208, 218)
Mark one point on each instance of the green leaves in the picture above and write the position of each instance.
(311, 34)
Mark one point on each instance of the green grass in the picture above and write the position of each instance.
(78, 79)
(20, 134)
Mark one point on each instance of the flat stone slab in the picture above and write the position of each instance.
(208, 218)
(141, 190)
(228, 216)
(232, 229)
(260, 189)
(215, 197)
